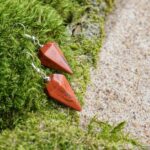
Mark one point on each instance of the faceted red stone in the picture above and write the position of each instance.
(51, 56)
(59, 89)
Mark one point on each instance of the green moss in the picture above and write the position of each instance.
(33, 120)
(70, 10)
(18, 81)
(58, 130)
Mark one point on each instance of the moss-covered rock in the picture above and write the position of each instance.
(20, 87)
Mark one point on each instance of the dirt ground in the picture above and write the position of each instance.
(120, 85)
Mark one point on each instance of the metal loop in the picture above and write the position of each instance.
(34, 39)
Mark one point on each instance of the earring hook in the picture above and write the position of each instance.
(41, 73)
(21, 24)
(33, 38)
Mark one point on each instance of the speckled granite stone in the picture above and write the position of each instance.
(120, 85)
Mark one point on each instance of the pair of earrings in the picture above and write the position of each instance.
(57, 86)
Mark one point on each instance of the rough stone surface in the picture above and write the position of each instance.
(120, 85)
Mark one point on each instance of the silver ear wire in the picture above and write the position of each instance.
(41, 73)
(21, 24)
(33, 38)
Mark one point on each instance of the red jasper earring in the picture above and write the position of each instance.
(59, 88)
(50, 54)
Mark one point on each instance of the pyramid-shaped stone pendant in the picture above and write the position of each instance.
(51, 56)
(59, 88)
